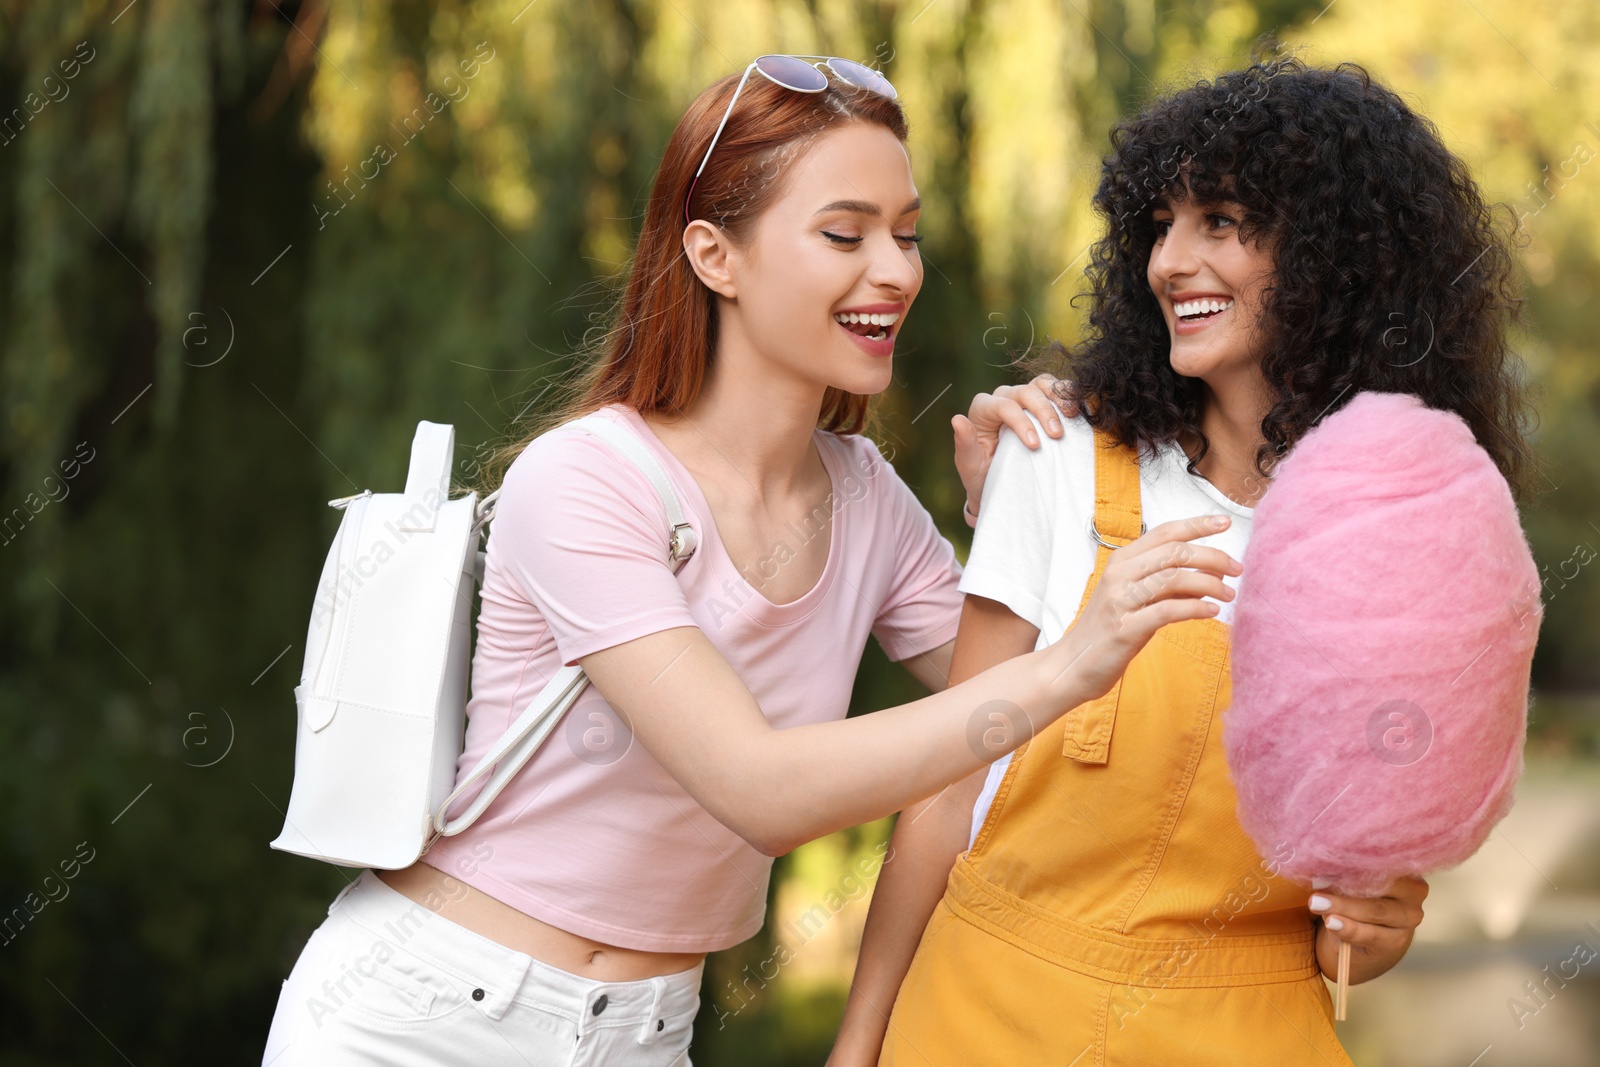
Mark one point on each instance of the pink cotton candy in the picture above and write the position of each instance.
(1382, 641)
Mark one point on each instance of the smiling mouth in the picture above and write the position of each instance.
(1199, 310)
(877, 327)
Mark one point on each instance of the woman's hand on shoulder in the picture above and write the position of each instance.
(977, 433)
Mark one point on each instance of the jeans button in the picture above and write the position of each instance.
(660, 1025)
(600, 1004)
(477, 994)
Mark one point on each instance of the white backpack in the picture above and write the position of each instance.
(383, 693)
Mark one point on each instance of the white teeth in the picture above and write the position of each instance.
(1200, 307)
(851, 317)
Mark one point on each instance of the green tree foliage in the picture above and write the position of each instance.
(249, 244)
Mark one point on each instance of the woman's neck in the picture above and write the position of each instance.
(750, 425)
(1231, 418)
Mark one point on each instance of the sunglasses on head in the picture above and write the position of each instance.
(803, 74)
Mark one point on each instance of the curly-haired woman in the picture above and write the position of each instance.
(1278, 240)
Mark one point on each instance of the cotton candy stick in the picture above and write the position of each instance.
(1341, 1003)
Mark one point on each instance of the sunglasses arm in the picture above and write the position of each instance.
(714, 139)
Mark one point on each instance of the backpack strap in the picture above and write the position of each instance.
(683, 541)
(522, 739)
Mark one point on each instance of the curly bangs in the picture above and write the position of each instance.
(1391, 273)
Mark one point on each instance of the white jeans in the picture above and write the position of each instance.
(384, 980)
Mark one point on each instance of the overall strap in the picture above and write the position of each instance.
(1118, 515)
(1116, 522)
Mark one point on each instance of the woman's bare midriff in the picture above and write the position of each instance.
(476, 910)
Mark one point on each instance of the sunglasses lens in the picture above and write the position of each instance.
(793, 73)
(862, 76)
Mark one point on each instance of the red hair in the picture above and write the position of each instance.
(655, 355)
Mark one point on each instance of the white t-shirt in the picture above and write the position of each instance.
(1032, 550)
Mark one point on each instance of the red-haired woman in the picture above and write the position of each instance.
(776, 263)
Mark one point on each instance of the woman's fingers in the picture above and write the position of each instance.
(1184, 554)
(1380, 922)
(1133, 600)
(1162, 564)
(1396, 912)
(1010, 406)
(973, 457)
(1059, 392)
(1139, 625)
(1408, 889)
(1172, 583)
(1040, 401)
(966, 436)
(1012, 412)
(1180, 530)
(1373, 911)
(990, 412)
(1364, 935)
(1160, 578)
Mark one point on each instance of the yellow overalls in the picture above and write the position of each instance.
(1111, 909)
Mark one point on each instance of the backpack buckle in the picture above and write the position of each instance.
(684, 541)
(483, 511)
(429, 838)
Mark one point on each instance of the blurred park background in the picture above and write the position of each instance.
(245, 246)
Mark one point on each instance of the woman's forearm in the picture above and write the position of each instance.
(778, 788)
(813, 780)
(927, 838)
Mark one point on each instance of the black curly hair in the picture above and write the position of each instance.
(1391, 271)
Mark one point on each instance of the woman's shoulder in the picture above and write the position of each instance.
(565, 442)
(857, 453)
(1051, 484)
(1076, 447)
(863, 474)
(1055, 457)
(565, 460)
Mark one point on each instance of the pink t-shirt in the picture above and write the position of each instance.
(593, 835)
